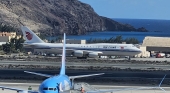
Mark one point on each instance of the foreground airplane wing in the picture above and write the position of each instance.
(126, 89)
(18, 90)
(71, 77)
(45, 75)
(80, 76)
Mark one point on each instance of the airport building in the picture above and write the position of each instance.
(6, 37)
(153, 45)
(159, 44)
(144, 52)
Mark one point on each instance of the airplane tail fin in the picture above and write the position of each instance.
(62, 71)
(30, 36)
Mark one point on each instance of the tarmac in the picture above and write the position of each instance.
(80, 64)
(87, 88)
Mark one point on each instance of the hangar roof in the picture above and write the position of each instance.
(156, 41)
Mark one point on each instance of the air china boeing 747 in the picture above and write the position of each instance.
(80, 50)
(63, 83)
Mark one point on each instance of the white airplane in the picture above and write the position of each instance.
(62, 83)
(80, 50)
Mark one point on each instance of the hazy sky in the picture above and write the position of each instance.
(138, 9)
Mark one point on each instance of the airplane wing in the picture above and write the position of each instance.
(80, 76)
(45, 75)
(71, 77)
(11, 88)
(18, 90)
(126, 89)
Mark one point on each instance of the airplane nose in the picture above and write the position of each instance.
(138, 50)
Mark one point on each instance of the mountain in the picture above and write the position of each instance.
(56, 16)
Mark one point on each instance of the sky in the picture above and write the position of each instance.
(132, 9)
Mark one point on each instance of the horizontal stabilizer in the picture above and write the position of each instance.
(81, 76)
(39, 74)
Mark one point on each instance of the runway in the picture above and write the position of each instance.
(116, 65)
(36, 85)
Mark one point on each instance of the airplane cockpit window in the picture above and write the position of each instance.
(49, 89)
(54, 89)
(45, 88)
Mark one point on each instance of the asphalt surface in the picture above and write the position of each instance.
(108, 74)
(151, 59)
(117, 65)
(99, 87)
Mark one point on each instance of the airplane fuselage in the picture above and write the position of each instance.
(106, 49)
(50, 85)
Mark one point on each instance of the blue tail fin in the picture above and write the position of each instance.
(62, 71)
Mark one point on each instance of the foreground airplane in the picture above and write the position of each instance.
(62, 82)
(80, 50)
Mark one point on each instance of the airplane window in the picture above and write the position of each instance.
(54, 89)
(45, 88)
(50, 88)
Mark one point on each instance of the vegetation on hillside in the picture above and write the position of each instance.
(6, 28)
(117, 39)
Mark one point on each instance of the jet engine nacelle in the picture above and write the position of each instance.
(22, 91)
(26, 92)
(93, 55)
(78, 53)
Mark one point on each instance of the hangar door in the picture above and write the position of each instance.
(162, 49)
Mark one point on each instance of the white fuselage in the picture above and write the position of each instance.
(103, 49)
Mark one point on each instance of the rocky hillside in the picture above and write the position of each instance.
(56, 17)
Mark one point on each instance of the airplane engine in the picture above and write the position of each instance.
(78, 53)
(22, 92)
(93, 55)
(26, 92)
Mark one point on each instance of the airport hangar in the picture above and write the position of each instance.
(154, 44)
